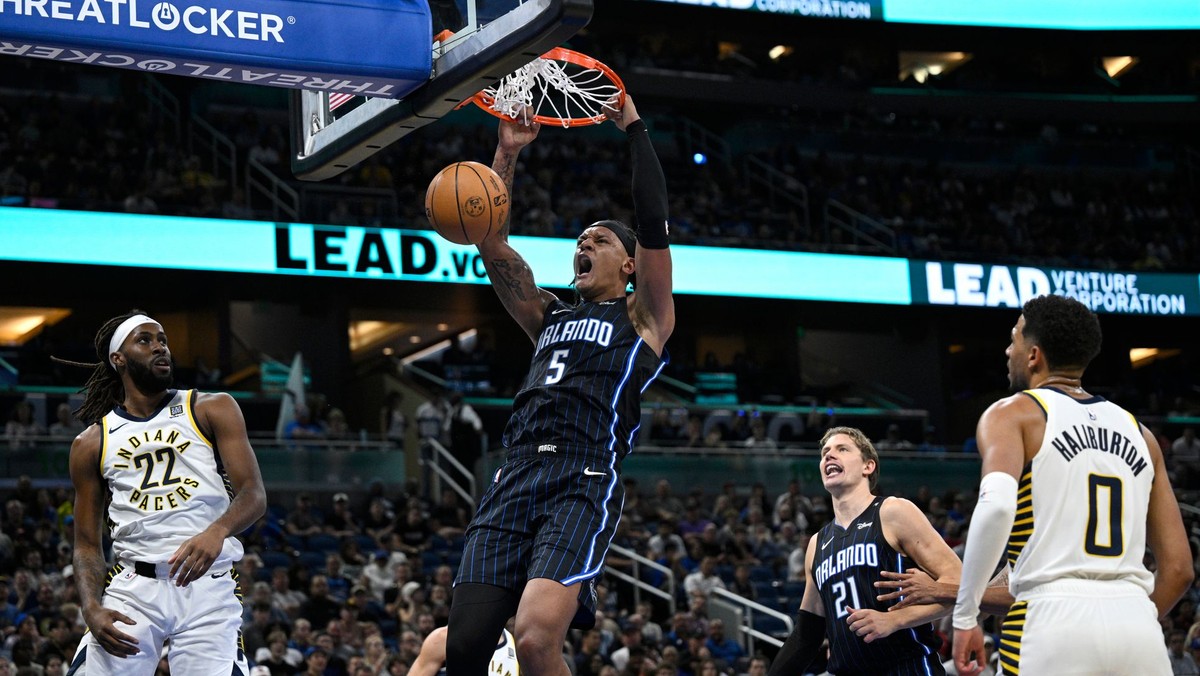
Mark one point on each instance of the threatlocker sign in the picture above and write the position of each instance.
(360, 47)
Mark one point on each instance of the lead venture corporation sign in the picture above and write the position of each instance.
(982, 285)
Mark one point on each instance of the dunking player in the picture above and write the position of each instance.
(183, 479)
(544, 525)
(868, 534)
(1076, 488)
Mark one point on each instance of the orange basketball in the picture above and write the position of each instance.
(466, 202)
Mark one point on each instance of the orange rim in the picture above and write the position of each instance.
(485, 101)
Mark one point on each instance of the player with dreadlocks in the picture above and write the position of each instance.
(183, 480)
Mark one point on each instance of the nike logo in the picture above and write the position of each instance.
(588, 471)
(559, 312)
(216, 575)
(867, 524)
(114, 429)
(827, 542)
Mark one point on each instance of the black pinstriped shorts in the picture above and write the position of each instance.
(546, 514)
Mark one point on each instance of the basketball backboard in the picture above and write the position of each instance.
(326, 141)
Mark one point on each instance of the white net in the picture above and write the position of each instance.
(557, 89)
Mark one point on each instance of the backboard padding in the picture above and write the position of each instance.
(323, 147)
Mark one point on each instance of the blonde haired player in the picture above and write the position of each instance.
(182, 479)
(1075, 489)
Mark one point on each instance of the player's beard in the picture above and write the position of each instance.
(146, 380)
(1017, 382)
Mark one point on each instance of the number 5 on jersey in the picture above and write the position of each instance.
(557, 366)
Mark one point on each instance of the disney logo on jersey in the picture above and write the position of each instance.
(165, 16)
(590, 330)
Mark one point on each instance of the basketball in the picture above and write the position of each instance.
(466, 202)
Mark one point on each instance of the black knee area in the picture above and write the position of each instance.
(477, 615)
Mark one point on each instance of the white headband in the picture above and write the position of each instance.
(123, 332)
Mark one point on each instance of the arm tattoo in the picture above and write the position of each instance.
(505, 164)
(511, 279)
(90, 577)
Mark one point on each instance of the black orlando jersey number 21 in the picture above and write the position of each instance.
(846, 567)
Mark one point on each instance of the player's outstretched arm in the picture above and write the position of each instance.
(652, 302)
(1166, 537)
(220, 418)
(915, 587)
(511, 276)
(88, 558)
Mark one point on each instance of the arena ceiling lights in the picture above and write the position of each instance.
(19, 325)
(921, 65)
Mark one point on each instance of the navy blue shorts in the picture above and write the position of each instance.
(548, 514)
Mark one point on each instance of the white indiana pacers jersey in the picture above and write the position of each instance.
(1082, 501)
(504, 660)
(166, 481)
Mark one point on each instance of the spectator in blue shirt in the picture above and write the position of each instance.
(725, 650)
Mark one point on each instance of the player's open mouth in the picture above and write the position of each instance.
(830, 470)
(162, 364)
(583, 265)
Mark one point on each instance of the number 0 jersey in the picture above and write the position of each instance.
(166, 480)
(1083, 499)
(585, 382)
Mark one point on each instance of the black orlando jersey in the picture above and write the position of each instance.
(846, 567)
(584, 386)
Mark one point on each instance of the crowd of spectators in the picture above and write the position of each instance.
(962, 187)
(351, 583)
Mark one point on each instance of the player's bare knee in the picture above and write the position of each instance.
(537, 645)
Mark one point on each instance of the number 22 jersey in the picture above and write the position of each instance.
(166, 480)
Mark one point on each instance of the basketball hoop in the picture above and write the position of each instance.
(562, 87)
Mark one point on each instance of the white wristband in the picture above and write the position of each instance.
(987, 538)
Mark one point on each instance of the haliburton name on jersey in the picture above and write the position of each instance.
(1071, 442)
